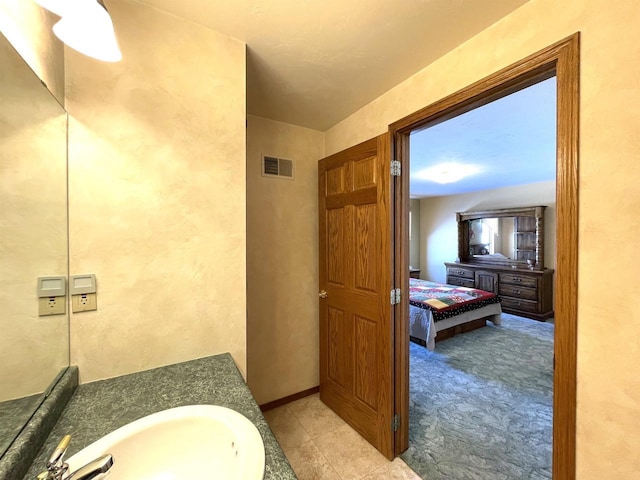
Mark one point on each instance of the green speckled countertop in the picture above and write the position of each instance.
(101, 407)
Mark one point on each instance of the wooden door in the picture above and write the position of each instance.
(356, 328)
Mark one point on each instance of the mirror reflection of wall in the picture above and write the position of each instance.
(507, 241)
(414, 235)
(492, 236)
(33, 229)
(484, 236)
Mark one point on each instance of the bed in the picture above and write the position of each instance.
(449, 309)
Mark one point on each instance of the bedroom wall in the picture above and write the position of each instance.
(414, 240)
(282, 261)
(608, 417)
(439, 229)
(157, 195)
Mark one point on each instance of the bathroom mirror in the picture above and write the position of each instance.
(508, 236)
(34, 349)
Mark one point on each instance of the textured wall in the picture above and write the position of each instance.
(608, 413)
(439, 229)
(282, 261)
(157, 195)
(28, 27)
(33, 227)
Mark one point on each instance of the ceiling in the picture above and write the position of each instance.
(511, 141)
(313, 63)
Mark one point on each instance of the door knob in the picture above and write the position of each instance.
(323, 294)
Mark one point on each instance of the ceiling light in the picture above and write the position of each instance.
(448, 172)
(86, 27)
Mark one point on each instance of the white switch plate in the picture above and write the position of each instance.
(84, 302)
(52, 306)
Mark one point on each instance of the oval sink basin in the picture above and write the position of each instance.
(183, 443)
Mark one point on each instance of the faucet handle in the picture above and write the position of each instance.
(55, 460)
(56, 468)
(93, 470)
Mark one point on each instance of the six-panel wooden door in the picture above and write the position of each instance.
(356, 325)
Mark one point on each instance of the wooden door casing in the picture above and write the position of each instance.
(356, 325)
(563, 60)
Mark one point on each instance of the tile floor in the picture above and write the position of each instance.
(321, 446)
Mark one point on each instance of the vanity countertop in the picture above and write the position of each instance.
(100, 407)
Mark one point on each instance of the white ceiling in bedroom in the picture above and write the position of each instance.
(511, 141)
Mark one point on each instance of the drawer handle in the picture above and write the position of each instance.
(517, 279)
(515, 290)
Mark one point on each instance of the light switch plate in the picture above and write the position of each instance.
(84, 302)
(79, 284)
(52, 306)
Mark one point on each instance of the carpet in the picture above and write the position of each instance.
(481, 404)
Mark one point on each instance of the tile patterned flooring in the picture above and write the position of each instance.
(321, 446)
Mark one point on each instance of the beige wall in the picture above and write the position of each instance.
(608, 413)
(28, 27)
(33, 227)
(414, 240)
(156, 186)
(282, 261)
(157, 195)
(439, 229)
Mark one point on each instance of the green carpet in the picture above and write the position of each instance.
(481, 404)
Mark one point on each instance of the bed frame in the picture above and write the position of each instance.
(425, 331)
(449, 332)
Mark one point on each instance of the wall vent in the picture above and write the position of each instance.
(277, 167)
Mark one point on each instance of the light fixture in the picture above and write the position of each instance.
(86, 27)
(448, 172)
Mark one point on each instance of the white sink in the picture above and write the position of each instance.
(183, 443)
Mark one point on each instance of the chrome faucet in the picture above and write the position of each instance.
(57, 469)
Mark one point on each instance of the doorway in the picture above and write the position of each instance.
(490, 389)
(560, 60)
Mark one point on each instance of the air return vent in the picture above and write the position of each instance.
(277, 167)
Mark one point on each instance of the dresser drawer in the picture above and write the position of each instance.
(460, 272)
(516, 304)
(518, 291)
(461, 282)
(515, 279)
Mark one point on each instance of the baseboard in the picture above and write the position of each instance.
(288, 399)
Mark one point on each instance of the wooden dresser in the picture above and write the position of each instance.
(524, 292)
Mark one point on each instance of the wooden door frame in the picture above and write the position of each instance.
(561, 59)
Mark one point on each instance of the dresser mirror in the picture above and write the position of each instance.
(508, 236)
(34, 349)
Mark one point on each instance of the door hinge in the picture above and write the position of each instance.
(396, 168)
(395, 296)
(395, 423)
